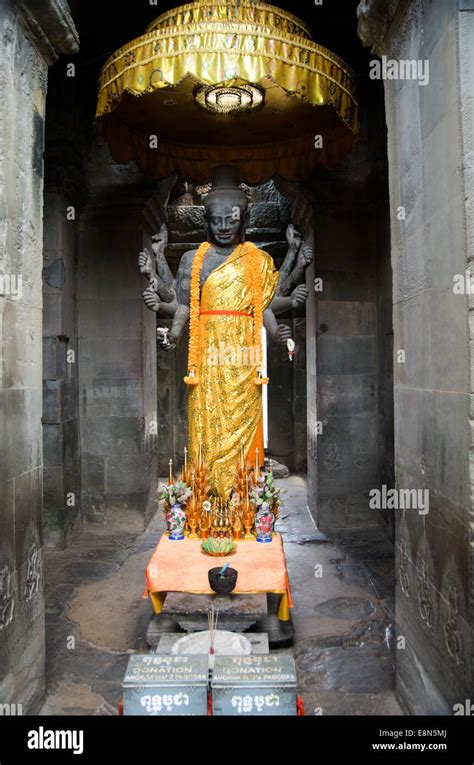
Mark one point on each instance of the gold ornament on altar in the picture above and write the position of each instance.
(200, 66)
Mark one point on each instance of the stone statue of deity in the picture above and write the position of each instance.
(227, 291)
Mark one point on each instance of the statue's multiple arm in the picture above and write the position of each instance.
(279, 332)
(290, 292)
(181, 315)
(171, 299)
(160, 295)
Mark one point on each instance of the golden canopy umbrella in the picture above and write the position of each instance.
(227, 82)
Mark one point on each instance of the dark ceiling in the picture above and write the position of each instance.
(106, 25)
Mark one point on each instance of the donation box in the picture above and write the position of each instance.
(165, 685)
(254, 685)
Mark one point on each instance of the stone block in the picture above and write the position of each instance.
(415, 432)
(109, 359)
(53, 443)
(443, 142)
(52, 401)
(124, 474)
(341, 355)
(447, 320)
(55, 365)
(429, 628)
(93, 473)
(411, 326)
(53, 315)
(20, 432)
(53, 489)
(108, 436)
(265, 215)
(7, 525)
(349, 286)
(186, 219)
(347, 394)
(440, 49)
(20, 330)
(449, 427)
(343, 318)
(358, 512)
(411, 265)
(28, 509)
(111, 318)
(236, 612)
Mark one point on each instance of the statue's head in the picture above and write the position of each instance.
(226, 208)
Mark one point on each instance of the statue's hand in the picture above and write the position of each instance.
(283, 334)
(154, 283)
(165, 340)
(145, 263)
(160, 241)
(151, 300)
(306, 256)
(299, 296)
(293, 237)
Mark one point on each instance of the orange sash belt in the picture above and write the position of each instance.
(224, 313)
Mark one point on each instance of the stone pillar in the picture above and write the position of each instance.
(65, 194)
(32, 37)
(343, 331)
(117, 352)
(430, 144)
(62, 469)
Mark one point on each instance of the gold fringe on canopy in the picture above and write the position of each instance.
(149, 87)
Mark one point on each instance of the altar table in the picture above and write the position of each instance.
(181, 566)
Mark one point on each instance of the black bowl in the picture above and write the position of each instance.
(223, 585)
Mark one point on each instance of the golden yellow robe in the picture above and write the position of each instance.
(225, 408)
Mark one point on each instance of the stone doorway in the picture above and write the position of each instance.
(92, 290)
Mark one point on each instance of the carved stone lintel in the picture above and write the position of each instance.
(375, 19)
(51, 27)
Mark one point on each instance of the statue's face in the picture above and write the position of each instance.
(225, 221)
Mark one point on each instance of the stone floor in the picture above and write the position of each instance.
(342, 589)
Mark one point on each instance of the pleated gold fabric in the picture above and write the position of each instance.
(149, 87)
(224, 410)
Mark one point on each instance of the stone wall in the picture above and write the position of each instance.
(430, 140)
(117, 347)
(66, 130)
(349, 330)
(61, 445)
(30, 41)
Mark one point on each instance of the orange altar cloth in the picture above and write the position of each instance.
(181, 566)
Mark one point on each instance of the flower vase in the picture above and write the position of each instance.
(176, 521)
(264, 526)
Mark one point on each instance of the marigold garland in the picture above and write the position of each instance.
(256, 281)
(195, 301)
(251, 252)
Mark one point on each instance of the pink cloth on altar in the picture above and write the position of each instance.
(181, 566)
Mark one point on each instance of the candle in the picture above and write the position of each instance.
(185, 460)
(256, 463)
(171, 472)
